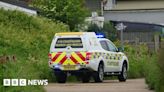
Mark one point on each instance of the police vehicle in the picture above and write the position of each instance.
(86, 55)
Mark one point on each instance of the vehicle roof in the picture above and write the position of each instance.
(103, 39)
(71, 33)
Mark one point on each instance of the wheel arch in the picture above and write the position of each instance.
(101, 62)
(126, 63)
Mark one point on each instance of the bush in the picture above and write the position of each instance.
(161, 71)
(151, 72)
(154, 72)
(108, 30)
(70, 12)
(143, 64)
(28, 38)
(137, 56)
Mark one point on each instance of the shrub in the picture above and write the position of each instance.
(145, 64)
(137, 56)
(154, 72)
(71, 12)
(161, 69)
(151, 72)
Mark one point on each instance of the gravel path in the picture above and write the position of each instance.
(131, 85)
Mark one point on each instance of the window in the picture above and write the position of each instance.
(104, 45)
(72, 42)
(111, 46)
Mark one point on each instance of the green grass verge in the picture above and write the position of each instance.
(28, 38)
(154, 72)
(138, 56)
(143, 64)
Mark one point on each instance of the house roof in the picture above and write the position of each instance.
(138, 5)
(136, 26)
(19, 3)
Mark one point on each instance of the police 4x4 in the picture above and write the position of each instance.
(84, 55)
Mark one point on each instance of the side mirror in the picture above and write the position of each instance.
(120, 49)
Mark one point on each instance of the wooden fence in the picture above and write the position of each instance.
(152, 45)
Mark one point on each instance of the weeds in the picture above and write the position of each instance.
(154, 74)
(142, 64)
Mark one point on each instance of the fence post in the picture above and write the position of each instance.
(136, 41)
(156, 43)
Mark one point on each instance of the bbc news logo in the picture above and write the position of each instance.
(24, 82)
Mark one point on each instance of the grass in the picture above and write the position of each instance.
(143, 64)
(154, 72)
(28, 38)
(138, 56)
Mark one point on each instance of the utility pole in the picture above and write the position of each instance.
(102, 7)
(121, 27)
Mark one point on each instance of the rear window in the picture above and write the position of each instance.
(72, 42)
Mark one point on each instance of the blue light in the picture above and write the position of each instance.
(100, 35)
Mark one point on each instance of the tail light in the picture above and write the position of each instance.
(49, 56)
(88, 55)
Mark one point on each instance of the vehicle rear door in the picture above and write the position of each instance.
(68, 51)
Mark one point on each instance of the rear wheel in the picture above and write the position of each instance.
(61, 77)
(99, 75)
(85, 78)
(123, 76)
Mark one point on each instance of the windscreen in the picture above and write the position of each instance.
(71, 42)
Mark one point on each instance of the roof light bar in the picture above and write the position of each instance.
(100, 35)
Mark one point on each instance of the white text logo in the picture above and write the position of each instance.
(24, 82)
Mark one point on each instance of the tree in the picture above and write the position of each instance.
(108, 30)
(94, 28)
(71, 12)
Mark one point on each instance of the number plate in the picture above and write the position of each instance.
(69, 67)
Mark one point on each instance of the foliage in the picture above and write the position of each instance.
(137, 56)
(154, 72)
(108, 30)
(71, 12)
(144, 64)
(161, 70)
(28, 38)
(94, 28)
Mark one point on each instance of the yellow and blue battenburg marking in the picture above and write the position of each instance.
(109, 56)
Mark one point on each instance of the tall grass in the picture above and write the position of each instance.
(143, 64)
(28, 38)
(154, 72)
(138, 56)
(161, 69)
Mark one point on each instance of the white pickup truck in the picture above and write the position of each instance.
(86, 55)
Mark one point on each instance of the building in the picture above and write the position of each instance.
(19, 5)
(137, 11)
(143, 18)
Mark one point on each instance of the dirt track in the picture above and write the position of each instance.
(131, 85)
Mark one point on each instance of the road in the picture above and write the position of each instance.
(131, 85)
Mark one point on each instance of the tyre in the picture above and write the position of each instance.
(85, 78)
(123, 76)
(61, 77)
(99, 75)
